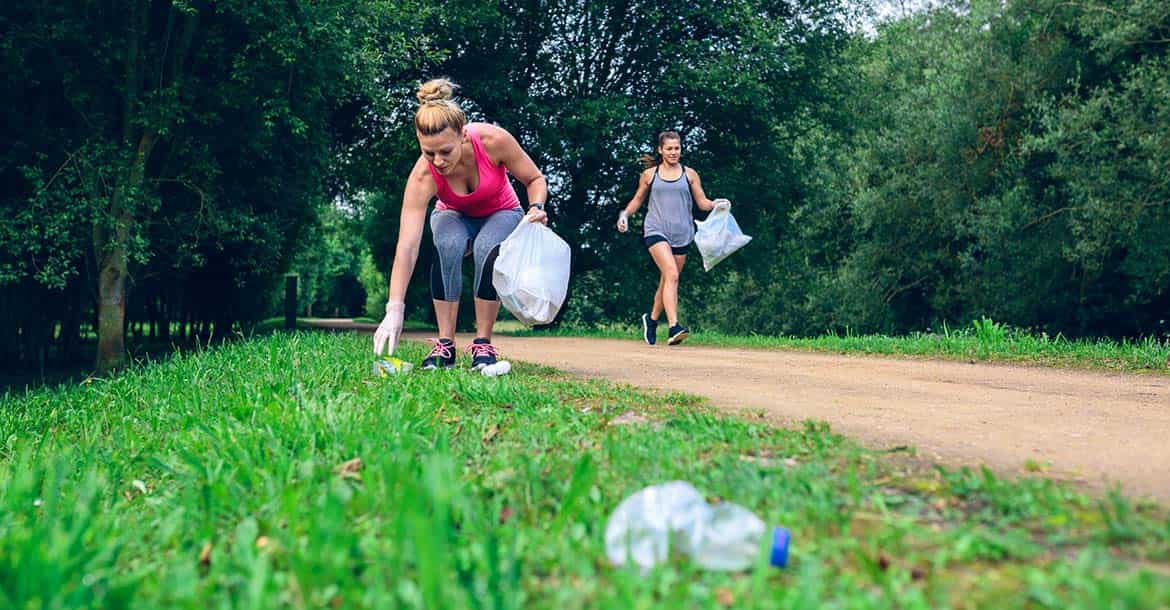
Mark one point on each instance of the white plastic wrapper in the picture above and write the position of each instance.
(531, 274)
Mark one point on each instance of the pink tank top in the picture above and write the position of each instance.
(494, 193)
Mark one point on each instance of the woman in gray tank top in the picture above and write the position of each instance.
(669, 228)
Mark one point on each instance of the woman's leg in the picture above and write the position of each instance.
(486, 248)
(447, 315)
(667, 282)
(451, 237)
(656, 309)
(678, 334)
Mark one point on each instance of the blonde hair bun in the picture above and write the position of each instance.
(436, 90)
(436, 110)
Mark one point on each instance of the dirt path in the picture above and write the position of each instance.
(1097, 429)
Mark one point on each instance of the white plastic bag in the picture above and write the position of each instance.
(718, 236)
(531, 274)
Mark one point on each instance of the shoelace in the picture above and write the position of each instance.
(482, 349)
(442, 350)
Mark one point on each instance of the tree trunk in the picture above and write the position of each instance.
(111, 250)
(111, 234)
(9, 341)
(164, 329)
(152, 318)
(222, 328)
(111, 254)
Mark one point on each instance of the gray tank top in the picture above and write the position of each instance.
(669, 213)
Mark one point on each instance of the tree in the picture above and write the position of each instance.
(1007, 161)
(224, 113)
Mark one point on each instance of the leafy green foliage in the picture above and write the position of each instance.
(175, 151)
(975, 159)
(329, 263)
(1005, 161)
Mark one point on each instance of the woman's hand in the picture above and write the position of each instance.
(623, 223)
(721, 204)
(537, 214)
(386, 337)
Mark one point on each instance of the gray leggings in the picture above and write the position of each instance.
(455, 235)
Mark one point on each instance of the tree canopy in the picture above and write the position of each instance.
(169, 161)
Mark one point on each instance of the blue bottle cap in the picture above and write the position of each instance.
(780, 538)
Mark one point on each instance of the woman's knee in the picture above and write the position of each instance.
(482, 250)
(449, 233)
(668, 276)
(450, 247)
(493, 233)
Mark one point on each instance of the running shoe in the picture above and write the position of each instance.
(442, 355)
(483, 353)
(649, 329)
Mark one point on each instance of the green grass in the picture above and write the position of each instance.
(984, 340)
(214, 480)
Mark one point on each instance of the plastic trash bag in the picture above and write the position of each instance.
(531, 274)
(719, 236)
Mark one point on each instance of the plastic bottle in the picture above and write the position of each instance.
(726, 536)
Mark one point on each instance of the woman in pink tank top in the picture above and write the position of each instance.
(494, 193)
(465, 167)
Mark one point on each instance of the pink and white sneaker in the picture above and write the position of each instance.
(442, 355)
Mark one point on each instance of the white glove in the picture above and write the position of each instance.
(391, 327)
(623, 223)
(721, 204)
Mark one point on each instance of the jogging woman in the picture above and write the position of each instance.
(465, 166)
(669, 228)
